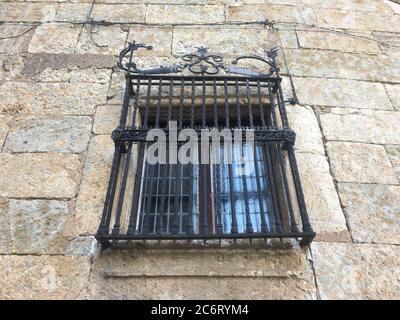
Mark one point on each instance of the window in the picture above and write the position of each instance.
(172, 197)
(252, 191)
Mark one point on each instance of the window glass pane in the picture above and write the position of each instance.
(256, 198)
(169, 197)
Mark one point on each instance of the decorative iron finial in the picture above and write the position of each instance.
(198, 63)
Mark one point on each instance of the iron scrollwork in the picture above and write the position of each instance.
(203, 63)
(200, 63)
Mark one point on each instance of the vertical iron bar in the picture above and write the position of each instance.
(106, 217)
(204, 224)
(117, 223)
(189, 227)
(175, 223)
(299, 192)
(234, 227)
(181, 98)
(136, 104)
(282, 110)
(249, 227)
(260, 103)
(136, 192)
(215, 105)
(272, 185)
(146, 227)
(293, 226)
(217, 177)
(171, 88)
(157, 124)
(178, 192)
(249, 104)
(217, 174)
(264, 228)
(193, 105)
(163, 177)
(272, 105)
(238, 115)
(203, 104)
(146, 110)
(226, 103)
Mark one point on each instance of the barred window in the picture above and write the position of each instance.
(252, 191)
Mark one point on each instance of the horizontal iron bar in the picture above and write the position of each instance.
(206, 78)
(139, 135)
(253, 235)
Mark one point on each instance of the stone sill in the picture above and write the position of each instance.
(206, 245)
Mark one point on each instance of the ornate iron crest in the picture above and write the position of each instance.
(200, 63)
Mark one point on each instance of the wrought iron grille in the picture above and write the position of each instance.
(204, 201)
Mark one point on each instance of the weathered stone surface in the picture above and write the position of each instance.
(36, 63)
(39, 175)
(54, 38)
(106, 119)
(288, 39)
(198, 2)
(308, 135)
(49, 134)
(160, 38)
(178, 14)
(74, 74)
(176, 288)
(51, 98)
(361, 21)
(286, 2)
(394, 156)
(342, 93)
(368, 126)
(271, 12)
(5, 228)
(320, 195)
(360, 163)
(116, 90)
(108, 40)
(73, 12)
(353, 5)
(224, 40)
(84, 246)
(210, 262)
(357, 271)
(120, 13)
(14, 37)
(287, 88)
(215, 274)
(393, 92)
(43, 277)
(388, 42)
(372, 211)
(92, 192)
(27, 12)
(5, 124)
(37, 225)
(394, 5)
(337, 41)
(329, 64)
(10, 67)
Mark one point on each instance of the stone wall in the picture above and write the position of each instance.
(60, 98)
